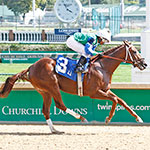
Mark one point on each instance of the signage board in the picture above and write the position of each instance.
(66, 31)
(32, 56)
(27, 106)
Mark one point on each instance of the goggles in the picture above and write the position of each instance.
(104, 40)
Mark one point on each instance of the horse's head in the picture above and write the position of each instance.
(133, 55)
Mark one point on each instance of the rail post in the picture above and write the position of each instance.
(11, 35)
(43, 35)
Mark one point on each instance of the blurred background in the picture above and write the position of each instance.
(121, 16)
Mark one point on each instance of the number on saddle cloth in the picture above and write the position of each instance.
(66, 66)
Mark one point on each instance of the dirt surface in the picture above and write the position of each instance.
(76, 137)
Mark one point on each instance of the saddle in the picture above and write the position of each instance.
(66, 66)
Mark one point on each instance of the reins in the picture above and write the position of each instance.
(119, 59)
(115, 58)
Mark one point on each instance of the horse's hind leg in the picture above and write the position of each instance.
(124, 104)
(59, 104)
(47, 100)
(69, 111)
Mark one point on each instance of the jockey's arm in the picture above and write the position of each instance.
(90, 48)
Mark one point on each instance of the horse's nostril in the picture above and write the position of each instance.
(145, 64)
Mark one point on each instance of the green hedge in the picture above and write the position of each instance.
(33, 47)
(47, 47)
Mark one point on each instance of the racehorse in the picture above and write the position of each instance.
(96, 83)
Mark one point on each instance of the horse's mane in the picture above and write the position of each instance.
(111, 50)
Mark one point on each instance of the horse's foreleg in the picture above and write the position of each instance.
(124, 104)
(106, 96)
(112, 112)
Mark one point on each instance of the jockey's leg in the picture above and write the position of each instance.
(80, 67)
(75, 46)
(79, 48)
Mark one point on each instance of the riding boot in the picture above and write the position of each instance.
(80, 65)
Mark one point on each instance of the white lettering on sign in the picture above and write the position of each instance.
(118, 108)
(68, 30)
(81, 111)
(6, 110)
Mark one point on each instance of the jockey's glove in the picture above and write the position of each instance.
(101, 55)
(94, 53)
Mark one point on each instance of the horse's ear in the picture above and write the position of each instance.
(126, 42)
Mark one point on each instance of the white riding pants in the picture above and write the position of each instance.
(76, 46)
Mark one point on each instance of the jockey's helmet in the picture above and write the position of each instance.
(104, 34)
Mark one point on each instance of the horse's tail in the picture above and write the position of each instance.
(9, 83)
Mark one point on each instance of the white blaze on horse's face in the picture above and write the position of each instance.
(134, 56)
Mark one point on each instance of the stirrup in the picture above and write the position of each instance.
(85, 71)
(79, 69)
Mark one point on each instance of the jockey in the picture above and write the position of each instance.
(85, 44)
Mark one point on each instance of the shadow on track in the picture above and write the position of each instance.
(43, 134)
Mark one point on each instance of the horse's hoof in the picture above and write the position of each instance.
(85, 121)
(139, 120)
(107, 120)
(54, 131)
(57, 132)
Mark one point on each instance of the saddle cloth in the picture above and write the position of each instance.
(66, 66)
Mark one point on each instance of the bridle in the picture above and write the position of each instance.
(125, 60)
(128, 54)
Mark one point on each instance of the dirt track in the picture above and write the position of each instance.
(37, 137)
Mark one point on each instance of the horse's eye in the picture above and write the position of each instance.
(134, 52)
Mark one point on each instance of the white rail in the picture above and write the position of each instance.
(27, 36)
(4, 36)
(36, 37)
(32, 37)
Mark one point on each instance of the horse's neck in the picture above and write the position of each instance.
(110, 65)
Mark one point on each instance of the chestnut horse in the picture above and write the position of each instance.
(96, 83)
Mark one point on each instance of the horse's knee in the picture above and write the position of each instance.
(2, 95)
(115, 100)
